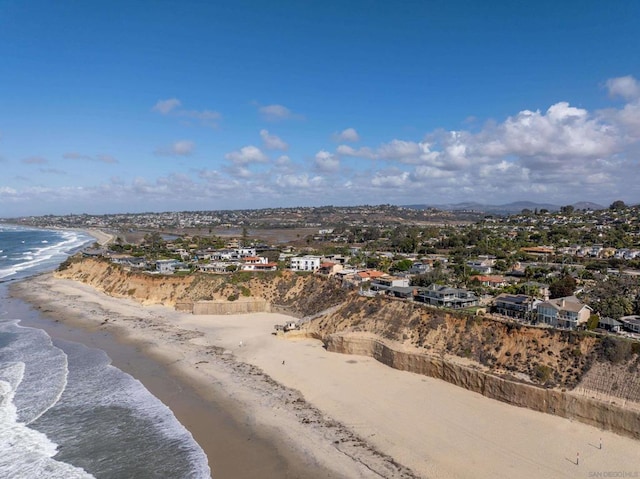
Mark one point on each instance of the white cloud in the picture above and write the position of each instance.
(166, 106)
(284, 164)
(276, 112)
(246, 155)
(626, 87)
(301, 182)
(399, 150)
(397, 179)
(363, 152)
(326, 162)
(241, 172)
(100, 158)
(178, 148)
(349, 134)
(272, 142)
(172, 107)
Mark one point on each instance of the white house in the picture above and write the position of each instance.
(244, 252)
(305, 263)
(166, 266)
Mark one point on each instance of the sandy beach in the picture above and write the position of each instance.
(321, 414)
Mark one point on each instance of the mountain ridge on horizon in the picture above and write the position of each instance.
(510, 208)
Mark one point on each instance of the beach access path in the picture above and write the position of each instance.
(435, 429)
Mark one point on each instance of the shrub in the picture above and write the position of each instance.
(542, 372)
(615, 350)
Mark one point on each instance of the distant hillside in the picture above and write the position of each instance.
(508, 208)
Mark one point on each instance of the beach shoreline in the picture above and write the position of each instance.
(225, 418)
(339, 415)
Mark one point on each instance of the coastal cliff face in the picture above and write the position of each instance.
(608, 416)
(575, 375)
(540, 355)
(297, 294)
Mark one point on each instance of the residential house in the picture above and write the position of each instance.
(367, 275)
(596, 250)
(539, 251)
(404, 292)
(244, 252)
(568, 312)
(490, 281)
(383, 283)
(329, 268)
(484, 266)
(517, 306)
(216, 267)
(225, 255)
(419, 268)
(166, 266)
(631, 323)
(445, 296)
(258, 263)
(610, 324)
(305, 263)
(130, 261)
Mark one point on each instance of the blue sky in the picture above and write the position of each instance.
(110, 107)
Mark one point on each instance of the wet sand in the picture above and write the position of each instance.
(235, 448)
(225, 414)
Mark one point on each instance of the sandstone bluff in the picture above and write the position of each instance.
(579, 376)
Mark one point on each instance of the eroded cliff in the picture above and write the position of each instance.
(576, 375)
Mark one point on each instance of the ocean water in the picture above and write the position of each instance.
(65, 411)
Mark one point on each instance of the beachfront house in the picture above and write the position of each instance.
(305, 263)
(166, 266)
(631, 323)
(217, 267)
(517, 306)
(568, 312)
(447, 297)
(610, 324)
(129, 261)
(258, 263)
(330, 268)
(384, 283)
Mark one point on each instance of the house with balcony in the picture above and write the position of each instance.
(631, 323)
(305, 263)
(166, 266)
(129, 261)
(516, 306)
(446, 297)
(217, 267)
(257, 263)
(245, 252)
(568, 312)
(384, 283)
(483, 266)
